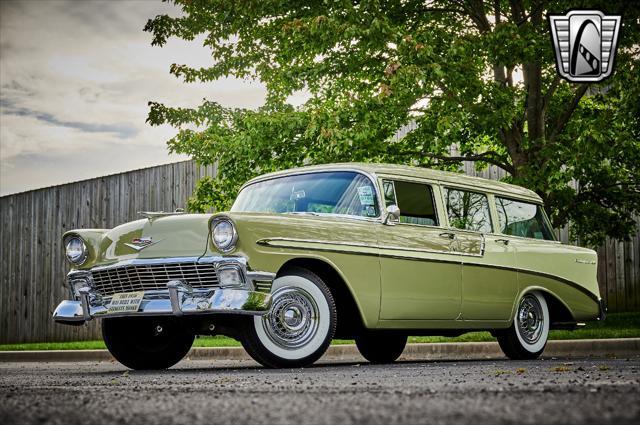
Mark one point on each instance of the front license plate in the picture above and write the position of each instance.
(125, 302)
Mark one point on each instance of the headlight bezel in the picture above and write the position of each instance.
(231, 244)
(83, 255)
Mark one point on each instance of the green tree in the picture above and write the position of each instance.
(479, 75)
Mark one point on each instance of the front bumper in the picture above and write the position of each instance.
(178, 299)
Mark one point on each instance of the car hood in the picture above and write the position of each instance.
(183, 235)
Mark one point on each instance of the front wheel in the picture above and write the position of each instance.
(527, 336)
(147, 343)
(299, 326)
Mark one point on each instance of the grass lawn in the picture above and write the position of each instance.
(617, 325)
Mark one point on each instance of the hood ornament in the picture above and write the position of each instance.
(152, 215)
(139, 244)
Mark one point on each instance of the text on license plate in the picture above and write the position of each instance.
(124, 302)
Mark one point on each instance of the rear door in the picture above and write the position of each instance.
(489, 279)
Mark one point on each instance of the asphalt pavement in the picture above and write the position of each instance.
(551, 391)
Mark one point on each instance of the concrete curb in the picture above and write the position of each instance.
(622, 347)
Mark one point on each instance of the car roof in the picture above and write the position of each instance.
(445, 177)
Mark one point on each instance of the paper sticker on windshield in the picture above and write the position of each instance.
(298, 194)
(365, 193)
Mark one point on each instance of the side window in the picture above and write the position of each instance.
(415, 201)
(468, 210)
(518, 218)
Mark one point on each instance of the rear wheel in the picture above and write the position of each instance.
(299, 326)
(527, 336)
(381, 348)
(149, 343)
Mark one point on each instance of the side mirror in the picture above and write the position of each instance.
(393, 215)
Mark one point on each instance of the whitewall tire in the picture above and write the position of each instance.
(299, 326)
(528, 335)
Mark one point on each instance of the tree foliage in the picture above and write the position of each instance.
(478, 75)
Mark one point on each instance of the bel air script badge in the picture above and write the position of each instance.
(585, 44)
(141, 243)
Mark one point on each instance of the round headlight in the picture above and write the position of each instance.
(76, 250)
(224, 234)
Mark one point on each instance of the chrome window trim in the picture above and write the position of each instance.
(523, 238)
(371, 177)
(487, 191)
(495, 201)
(433, 201)
(464, 189)
(395, 195)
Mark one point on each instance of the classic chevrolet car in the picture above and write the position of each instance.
(363, 251)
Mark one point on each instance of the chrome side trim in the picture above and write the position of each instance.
(575, 285)
(281, 243)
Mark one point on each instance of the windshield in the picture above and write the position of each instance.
(339, 192)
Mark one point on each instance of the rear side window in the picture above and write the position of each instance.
(468, 210)
(517, 218)
(415, 201)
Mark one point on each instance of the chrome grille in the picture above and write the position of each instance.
(146, 277)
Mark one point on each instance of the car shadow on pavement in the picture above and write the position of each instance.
(186, 367)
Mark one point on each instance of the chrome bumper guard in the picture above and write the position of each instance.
(178, 299)
(602, 307)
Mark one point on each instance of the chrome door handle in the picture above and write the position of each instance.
(447, 235)
(504, 241)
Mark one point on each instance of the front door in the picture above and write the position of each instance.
(421, 280)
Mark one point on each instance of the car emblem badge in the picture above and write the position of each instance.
(141, 243)
(585, 44)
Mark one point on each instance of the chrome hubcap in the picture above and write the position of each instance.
(530, 320)
(293, 319)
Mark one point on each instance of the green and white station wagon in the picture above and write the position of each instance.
(364, 251)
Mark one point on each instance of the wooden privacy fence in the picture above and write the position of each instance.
(32, 258)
